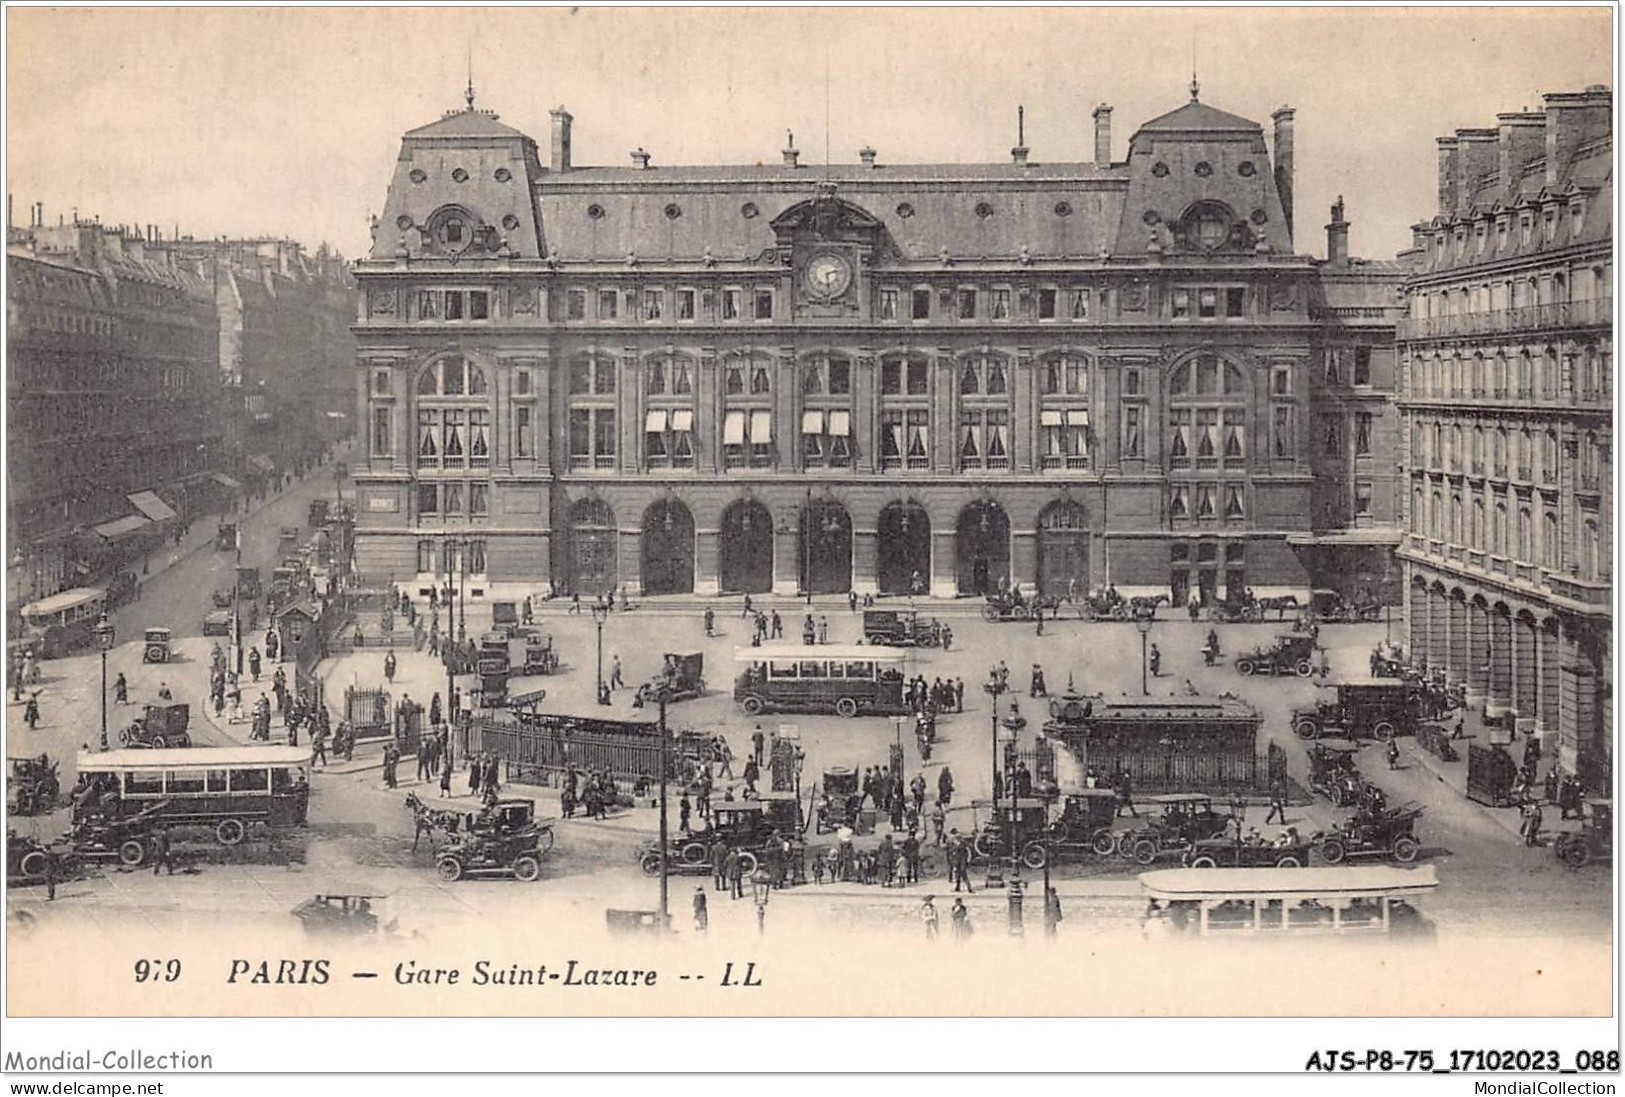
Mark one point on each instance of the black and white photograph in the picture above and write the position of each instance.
(698, 512)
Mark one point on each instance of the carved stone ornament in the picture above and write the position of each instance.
(1284, 296)
(383, 302)
(553, 259)
(1133, 297)
(522, 300)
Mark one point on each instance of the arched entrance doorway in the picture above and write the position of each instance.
(668, 548)
(747, 548)
(904, 551)
(826, 548)
(1063, 550)
(592, 547)
(982, 548)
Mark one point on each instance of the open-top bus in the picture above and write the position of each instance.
(1290, 901)
(847, 679)
(226, 789)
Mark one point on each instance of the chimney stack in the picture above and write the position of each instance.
(1337, 235)
(1019, 153)
(789, 151)
(1476, 156)
(867, 155)
(1283, 163)
(561, 139)
(1448, 153)
(1572, 119)
(1103, 136)
(640, 158)
(1520, 138)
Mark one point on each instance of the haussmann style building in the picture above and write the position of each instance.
(867, 376)
(1507, 355)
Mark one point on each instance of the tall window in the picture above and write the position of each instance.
(1207, 414)
(1362, 434)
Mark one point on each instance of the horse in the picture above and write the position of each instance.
(427, 820)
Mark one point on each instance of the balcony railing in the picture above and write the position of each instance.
(1597, 310)
(1597, 591)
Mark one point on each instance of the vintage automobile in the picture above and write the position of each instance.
(1332, 772)
(505, 619)
(32, 785)
(225, 537)
(1085, 820)
(222, 598)
(1231, 852)
(345, 915)
(1372, 709)
(838, 800)
(155, 645)
(502, 838)
(287, 539)
(248, 583)
(106, 838)
(1329, 605)
(1387, 833)
(26, 857)
(1387, 660)
(1185, 817)
(901, 628)
(217, 623)
(748, 826)
(1291, 653)
(1026, 820)
(1594, 841)
(159, 726)
(316, 513)
(682, 676)
(540, 658)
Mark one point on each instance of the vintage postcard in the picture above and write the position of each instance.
(1063, 512)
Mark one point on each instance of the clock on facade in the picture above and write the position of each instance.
(827, 275)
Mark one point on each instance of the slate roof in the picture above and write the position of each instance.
(1199, 116)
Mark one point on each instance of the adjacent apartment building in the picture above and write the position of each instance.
(873, 376)
(1507, 359)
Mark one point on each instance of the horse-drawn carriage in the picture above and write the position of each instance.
(1331, 606)
(502, 837)
(1012, 605)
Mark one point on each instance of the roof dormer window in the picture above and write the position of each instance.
(1577, 212)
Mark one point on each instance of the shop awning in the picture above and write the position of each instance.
(682, 419)
(121, 527)
(812, 422)
(840, 424)
(1077, 418)
(262, 462)
(761, 427)
(226, 481)
(1049, 418)
(655, 423)
(336, 415)
(153, 507)
(733, 429)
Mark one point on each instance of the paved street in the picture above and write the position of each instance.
(360, 835)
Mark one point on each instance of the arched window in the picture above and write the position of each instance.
(1550, 382)
(1455, 519)
(1478, 449)
(1437, 526)
(1526, 533)
(1526, 375)
(1436, 455)
(452, 375)
(453, 420)
(1501, 375)
(1479, 384)
(1456, 445)
(1590, 462)
(1418, 506)
(1478, 524)
(1207, 418)
(1550, 542)
(1501, 451)
(1593, 550)
(1500, 543)
(1526, 454)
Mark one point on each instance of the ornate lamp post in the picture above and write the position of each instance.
(599, 613)
(1143, 621)
(761, 886)
(104, 640)
(663, 694)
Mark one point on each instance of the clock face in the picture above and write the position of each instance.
(828, 275)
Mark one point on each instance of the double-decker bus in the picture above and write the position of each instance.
(847, 679)
(226, 789)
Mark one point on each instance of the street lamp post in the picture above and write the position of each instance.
(104, 640)
(995, 686)
(599, 613)
(1143, 621)
(761, 886)
(663, 693)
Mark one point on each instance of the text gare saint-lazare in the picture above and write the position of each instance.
(574, 973)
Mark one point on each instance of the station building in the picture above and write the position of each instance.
(790, 377)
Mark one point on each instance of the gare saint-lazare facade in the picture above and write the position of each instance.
(790, 377)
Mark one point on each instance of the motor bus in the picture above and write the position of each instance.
(847, 679)
(1290, 902)
(62, 622)
(225, 789)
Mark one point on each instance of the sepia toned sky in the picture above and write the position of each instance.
(287, 121)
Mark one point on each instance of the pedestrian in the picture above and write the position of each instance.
(959, 695)
(475, 772)
(731, 865)
(1156, 662)
(254, 663)
(823, 629)
(1532, 820)
(162, 855)
(710, 622)
(961, 920)
(53, 870)
(684, 810)
(445, 783)
(1277, 801)
(725, 759)
(1052, 912)
(745, 611)
(318, 748)
(939, 820)
(852, 601)
(615, 681)
(700, 912)
(1125, 795)
(752, 773)
(945, 787)
(928, 917)
(121, 690)
(911, 857)
(719, 864)
(758, 742)
(1037, 687)
(389, 666)
(31, 711)
(778, 626)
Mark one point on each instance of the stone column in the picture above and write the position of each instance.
(944, 579)
(707, 561)
(865, 562)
